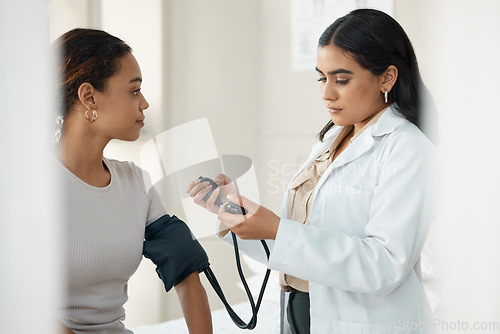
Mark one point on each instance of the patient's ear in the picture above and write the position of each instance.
(86, 94)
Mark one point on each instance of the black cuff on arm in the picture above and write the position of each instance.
(170, 244)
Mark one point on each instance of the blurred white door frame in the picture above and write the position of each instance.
(29, 276)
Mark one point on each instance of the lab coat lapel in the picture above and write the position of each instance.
(356, 149)
(320, 147)
(359, 147)
(386, 124)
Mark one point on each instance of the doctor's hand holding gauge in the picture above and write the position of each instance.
(356, 215)
(262, 223)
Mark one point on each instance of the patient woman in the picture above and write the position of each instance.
(109, 210)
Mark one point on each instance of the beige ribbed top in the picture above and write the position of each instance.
(103, 239)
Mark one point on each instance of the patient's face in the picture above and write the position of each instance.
(121, 104)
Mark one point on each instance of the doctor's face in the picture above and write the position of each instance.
(352, 94)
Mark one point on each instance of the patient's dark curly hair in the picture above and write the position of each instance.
(86, 55)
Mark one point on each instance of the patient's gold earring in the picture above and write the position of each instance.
(94, 115)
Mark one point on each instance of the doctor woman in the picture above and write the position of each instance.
(356, 215)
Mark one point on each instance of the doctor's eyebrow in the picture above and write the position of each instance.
(340, 70)
(135, 80)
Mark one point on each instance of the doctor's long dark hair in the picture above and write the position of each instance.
(376, 41)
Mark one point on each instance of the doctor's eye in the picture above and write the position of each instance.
(341, 82)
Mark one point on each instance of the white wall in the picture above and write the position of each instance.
(212, 69)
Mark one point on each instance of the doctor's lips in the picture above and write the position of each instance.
(140, 121)
(333, 109)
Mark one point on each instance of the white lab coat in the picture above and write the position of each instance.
(370, 215)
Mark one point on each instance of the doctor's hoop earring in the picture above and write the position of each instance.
(386, 96)
(94, 115)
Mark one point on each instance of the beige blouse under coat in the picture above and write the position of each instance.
(301, 194)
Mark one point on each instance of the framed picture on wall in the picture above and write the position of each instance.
(310, 17)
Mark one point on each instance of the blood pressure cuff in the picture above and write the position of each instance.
(174, 250)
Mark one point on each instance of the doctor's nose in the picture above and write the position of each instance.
(328, 92)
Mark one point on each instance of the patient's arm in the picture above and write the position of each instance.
(194, 304)
(65, 330)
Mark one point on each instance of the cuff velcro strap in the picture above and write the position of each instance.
(174, 250)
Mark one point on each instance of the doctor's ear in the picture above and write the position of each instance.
(86, 95)
(388, 78)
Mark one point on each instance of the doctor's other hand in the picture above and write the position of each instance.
(257, 224)
(198, 190)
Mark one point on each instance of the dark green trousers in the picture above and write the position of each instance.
(298, 313)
